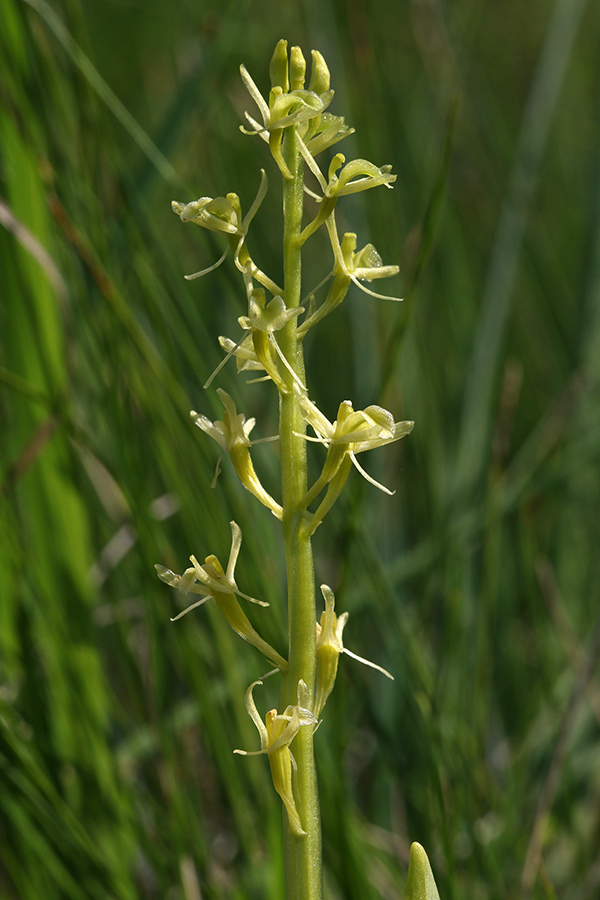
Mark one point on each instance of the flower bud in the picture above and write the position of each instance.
(329, 647)
(232, 435)
(280, 762)
(278, 68)
(297, 69)
(319, 74)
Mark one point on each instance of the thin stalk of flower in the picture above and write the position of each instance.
(335, 295)
(334, 489)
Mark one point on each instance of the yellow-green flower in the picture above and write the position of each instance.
(362, 265)
(260, 349)
(329, 647)
(352, 432)
(212, 581)
(357, 175)
(223, 215)
(276, 734)
(350, 266)
(232, 435)
(263, 321)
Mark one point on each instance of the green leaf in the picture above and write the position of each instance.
(420, 884)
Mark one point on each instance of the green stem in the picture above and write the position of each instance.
(303, 854)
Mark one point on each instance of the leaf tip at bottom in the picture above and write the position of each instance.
(420, 884)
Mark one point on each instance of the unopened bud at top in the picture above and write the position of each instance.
(278, 69)
(297, 69)
(319, 74)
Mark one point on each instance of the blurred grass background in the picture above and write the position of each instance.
(477, 585)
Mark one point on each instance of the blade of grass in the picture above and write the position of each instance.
(483, 371)
(111, 100)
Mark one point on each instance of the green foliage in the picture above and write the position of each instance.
(420, 883)
(476, 585)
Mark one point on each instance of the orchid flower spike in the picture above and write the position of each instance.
(329, 647)
(276, 734)
(224, 216)
(211, 580)
(232, 435)
(291, 105)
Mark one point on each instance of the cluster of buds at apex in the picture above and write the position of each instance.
(329, 647)
(292, 105)
(276, 734)
(232, 435)
(354, 431)
(212, 581)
